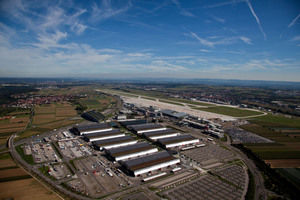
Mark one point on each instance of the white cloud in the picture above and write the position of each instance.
(294, 21)
(218, 19)
(182, 10)
(106, 10)
(256, 18)
(218, 40)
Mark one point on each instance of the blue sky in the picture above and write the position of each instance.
(228, 39)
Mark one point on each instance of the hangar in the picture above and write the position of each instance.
(133, 122)
(114, 142)
(146, 164)
(131, 151)
(155, 135)
(143, 128)
(91, 128)
(103, 135)
(180, 140)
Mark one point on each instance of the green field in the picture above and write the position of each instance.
(98, 102)
(234, 112)
(149, 98)
(277, 121)
(27, 158)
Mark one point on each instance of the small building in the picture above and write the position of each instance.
(143, 128)
(155, 135)
(91, 128)
(103, 135)
(177, 141)
(174, 114)
(131, 151)
(150, 163)
(114, 142)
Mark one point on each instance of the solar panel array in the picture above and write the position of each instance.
(179, 137)
(162, 132)
(129, 148)
(145, 159)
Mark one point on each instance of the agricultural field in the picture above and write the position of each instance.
(234, 112)
(27, 189)
(293, 174)
(286, 151)
(50, 116)
(10, 126)
(13, 178)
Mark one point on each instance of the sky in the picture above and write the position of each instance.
(223, 39)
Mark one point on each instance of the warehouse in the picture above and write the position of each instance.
(91, 128)
(155, 135)
(180, 140)
(103, 135)
(143, 128)
(131, 151)
(174, 114)
(114, 142)
(133, 122)
(150, 163)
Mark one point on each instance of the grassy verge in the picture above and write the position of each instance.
(27, 158)
(229, 111)
(251, 187)
(4, 156)
(171, 102)
(44, 169)
(57, 151)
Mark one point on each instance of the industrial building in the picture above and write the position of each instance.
(150, 163)
(103, 135)
(91, 128)
(93, 116)
(180, 140)
(143, 128)
(131, 151)
(114, 142)
(155, 135)
(174, 114)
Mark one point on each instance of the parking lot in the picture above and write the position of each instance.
(60, 171)
(205, 187)
(41, 152)
(208, 155)
(98, 177)
(73, 148)
(235, 174)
